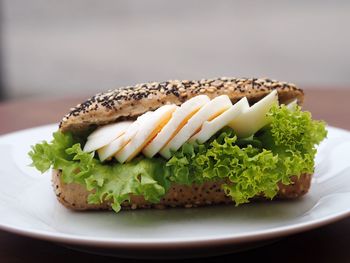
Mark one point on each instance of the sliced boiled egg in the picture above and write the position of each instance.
(253, 119)
(134, 128)
(292, 105)
(104, 135)
(108, 151)
(209, 128)
(116, 145)
(179, 118)
(148, 129)
(208, 112)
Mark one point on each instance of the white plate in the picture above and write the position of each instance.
(28, 207)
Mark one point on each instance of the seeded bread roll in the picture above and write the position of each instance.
(74, 196)
(130, 102)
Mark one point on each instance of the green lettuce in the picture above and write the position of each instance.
(253, 166)
(247, 167)
(247, 171)
(114, 182)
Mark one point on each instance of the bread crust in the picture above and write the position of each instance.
(74, 196)
(130, 102)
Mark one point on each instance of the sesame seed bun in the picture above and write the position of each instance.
(130, 102)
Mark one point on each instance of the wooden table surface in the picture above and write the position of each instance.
(326, 244)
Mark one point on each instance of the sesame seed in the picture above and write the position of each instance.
(217, 83)
(211, 89)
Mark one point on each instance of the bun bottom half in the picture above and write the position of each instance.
(74, 196)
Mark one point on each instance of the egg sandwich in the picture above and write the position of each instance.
(183, 144)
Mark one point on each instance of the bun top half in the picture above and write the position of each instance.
(132, 101)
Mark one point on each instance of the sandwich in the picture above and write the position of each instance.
(183, 144)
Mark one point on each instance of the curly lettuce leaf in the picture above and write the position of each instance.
(116, 182)
(293, 129)
(248, 171)
(44, 154)
(256, 165)
(293, 135)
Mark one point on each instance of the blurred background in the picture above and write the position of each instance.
(68, 47)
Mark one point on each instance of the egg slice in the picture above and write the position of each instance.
(108, 151)
(209, 128)
(253, 119)
(147, 130)
(104, 135)
(116, 145)
(179, 118)
(292, 105)
(208, 112)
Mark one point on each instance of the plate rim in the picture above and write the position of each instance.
(182, 243)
